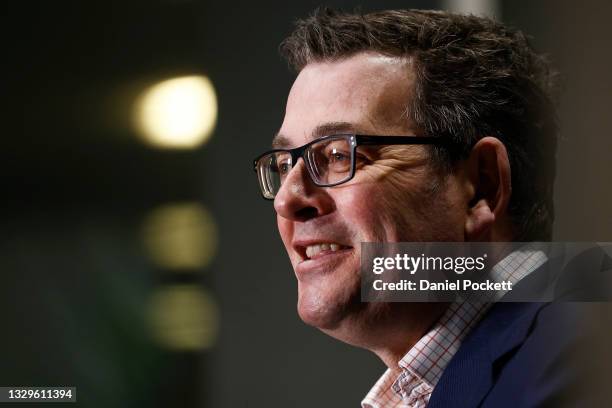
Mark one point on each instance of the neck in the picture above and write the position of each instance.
(389, 330)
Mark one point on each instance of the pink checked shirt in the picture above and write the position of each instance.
(421, 368)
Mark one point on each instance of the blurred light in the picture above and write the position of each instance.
(177, 113)
(184, 318)
(180, 236)
(488, 8)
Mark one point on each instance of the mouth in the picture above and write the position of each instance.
(317, 250)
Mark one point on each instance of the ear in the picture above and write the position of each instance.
(489, 174)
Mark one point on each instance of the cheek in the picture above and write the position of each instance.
(403, 207)
(364, 211)
(424, 211)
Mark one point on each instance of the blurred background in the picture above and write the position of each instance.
(138, 261)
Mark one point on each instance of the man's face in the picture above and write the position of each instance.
(395, 195)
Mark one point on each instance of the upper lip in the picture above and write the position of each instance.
(300, 245)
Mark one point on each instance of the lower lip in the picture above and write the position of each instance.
(324, 262)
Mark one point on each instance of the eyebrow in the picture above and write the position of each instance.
(281, 141)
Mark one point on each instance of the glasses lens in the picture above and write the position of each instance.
(272, 169)
(330, 160)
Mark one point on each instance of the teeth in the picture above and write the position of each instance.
(313, 250)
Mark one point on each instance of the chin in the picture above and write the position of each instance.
(319, 319)
(326, 311)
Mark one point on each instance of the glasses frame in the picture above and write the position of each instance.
(354, 140)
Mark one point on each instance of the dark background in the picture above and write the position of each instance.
(78, 187)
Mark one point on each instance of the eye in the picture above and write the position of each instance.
(283, 166)
(338, 160)
(337, 156)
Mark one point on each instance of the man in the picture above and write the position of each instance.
(407, 126)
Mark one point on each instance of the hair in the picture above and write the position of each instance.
(474, 78)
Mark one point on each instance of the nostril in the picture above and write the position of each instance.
(305, 213)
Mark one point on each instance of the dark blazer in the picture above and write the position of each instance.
(522, 354)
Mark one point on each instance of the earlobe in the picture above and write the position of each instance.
(479, 221)
(489, 174)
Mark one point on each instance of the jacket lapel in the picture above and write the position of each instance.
(470, 374)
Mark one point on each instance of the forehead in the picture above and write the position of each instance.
(365, 93)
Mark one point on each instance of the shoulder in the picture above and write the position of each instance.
(548, 368)
(523, 355)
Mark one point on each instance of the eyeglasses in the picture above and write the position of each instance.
(330, 160)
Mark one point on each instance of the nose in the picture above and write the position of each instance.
(299, 199)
